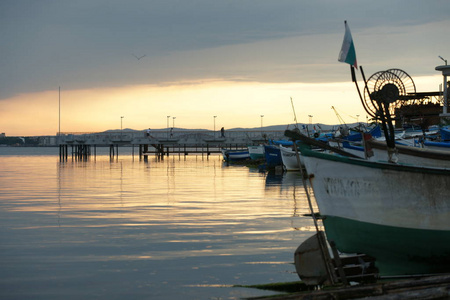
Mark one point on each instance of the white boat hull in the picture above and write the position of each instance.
(412, 155)
(289, 158)
(235, 155)
(398, 214)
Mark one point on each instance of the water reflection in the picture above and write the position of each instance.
(290, 185)
(158, 228)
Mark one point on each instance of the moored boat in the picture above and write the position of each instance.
(396, 213)
(375, 132)
(424, 157)
(235, 155)
(256, 152)
(443, 146)
(289, 158)
(445, 133)
(272, 155)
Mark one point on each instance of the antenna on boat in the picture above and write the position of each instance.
(295, 116)
(443, 59)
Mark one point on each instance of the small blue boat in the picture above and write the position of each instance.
(438, 145)
(356, 136)
(273, 156)
(235, 155)
(445, 134)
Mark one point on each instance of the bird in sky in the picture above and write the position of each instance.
(138, 57)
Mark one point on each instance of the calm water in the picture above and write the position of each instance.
(182, 228)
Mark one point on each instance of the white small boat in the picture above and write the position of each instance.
(235, 155)
(422, 157)
(289, 158)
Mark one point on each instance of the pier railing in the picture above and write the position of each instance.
(175, 137)
(162, 143)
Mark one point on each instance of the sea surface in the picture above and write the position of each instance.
(186, 227)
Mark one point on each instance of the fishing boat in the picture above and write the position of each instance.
(399, 214)
(235, 155)
(426, 157)
(272, 155)
(440, 141)
(289, 158)
(411, 131)
(353, 136)
(445, 133)
(256, 152)
(443, 146)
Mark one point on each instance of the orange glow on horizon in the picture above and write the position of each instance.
(193, 104)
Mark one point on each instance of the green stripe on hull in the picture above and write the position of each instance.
(306, 151)
(398, 251)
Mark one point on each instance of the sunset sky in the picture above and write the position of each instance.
(236, 59)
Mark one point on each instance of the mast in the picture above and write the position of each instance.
(59, 114)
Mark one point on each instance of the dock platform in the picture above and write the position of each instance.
(419, 287)
(160, 143)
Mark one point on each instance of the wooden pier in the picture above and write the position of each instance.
(78, 151)
(84, 151)
(79, 146)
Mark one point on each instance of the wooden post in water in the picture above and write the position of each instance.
(330, 272)
(61, 152)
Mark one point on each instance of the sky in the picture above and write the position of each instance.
(73, 65)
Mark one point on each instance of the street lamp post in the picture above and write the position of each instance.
(215, 127)
(173, 126)
(121, 118)
(168, 126)
(310, 124)
(262, 116)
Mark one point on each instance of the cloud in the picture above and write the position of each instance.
(89, 44)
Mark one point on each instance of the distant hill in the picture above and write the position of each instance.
(318, 126)
(284, 127)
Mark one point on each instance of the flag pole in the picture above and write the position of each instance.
(352, 71)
